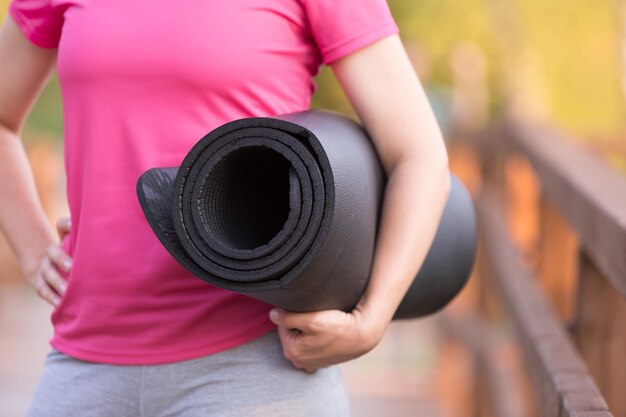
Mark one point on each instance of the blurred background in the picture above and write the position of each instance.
(487, 65)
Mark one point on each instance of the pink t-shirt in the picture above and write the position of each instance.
(141, 82)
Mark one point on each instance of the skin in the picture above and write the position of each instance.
(25, 70)
(384, 90)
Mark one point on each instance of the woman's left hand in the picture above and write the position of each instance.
(315, 340)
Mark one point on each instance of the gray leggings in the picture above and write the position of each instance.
(247, 381)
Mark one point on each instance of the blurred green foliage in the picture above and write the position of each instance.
(577, 44)
(47, 114)
(565, 55)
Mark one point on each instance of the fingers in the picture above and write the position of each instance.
(50, 285)
(295, 331)
(289, 339)
(53, 278)
(48, 282)
(311, 341)
(59, 257)
(46, 292)
(305, 322)
(64, 226)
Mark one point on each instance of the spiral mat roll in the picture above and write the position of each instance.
(285, 210)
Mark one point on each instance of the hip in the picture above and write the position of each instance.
(253, 379)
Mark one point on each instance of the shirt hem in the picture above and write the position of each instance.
(357, 42)
(157, 358)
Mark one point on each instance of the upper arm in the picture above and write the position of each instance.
(383, 88)
(25, 70)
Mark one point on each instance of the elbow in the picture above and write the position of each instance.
(437, 162)
(440, 163)
(434, 161)
(432, 167)
(446, 183)
(441, 175)
(442, 167)
(439, 159)
(10, 127)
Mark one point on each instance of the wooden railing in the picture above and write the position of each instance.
(552, 263)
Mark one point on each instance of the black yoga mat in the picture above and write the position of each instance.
(285, 210)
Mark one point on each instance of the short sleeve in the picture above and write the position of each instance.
(341, 27)
(39, 20)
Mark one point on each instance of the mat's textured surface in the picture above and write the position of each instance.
(285, 210)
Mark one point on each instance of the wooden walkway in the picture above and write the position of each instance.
(24, 334)
(395, 379)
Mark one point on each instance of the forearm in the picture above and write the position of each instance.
(415, 195)
(390, 101)
(22, 219)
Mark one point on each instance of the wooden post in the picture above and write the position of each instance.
(558, 260)
(523, 201)
(600, 335)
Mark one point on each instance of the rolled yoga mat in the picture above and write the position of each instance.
(285, 210)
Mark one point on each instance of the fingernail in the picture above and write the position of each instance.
(67, 265)
(56, 301)
(63, 288)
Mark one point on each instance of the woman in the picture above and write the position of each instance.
(135, 334)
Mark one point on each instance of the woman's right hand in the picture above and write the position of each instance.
(50, 285)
